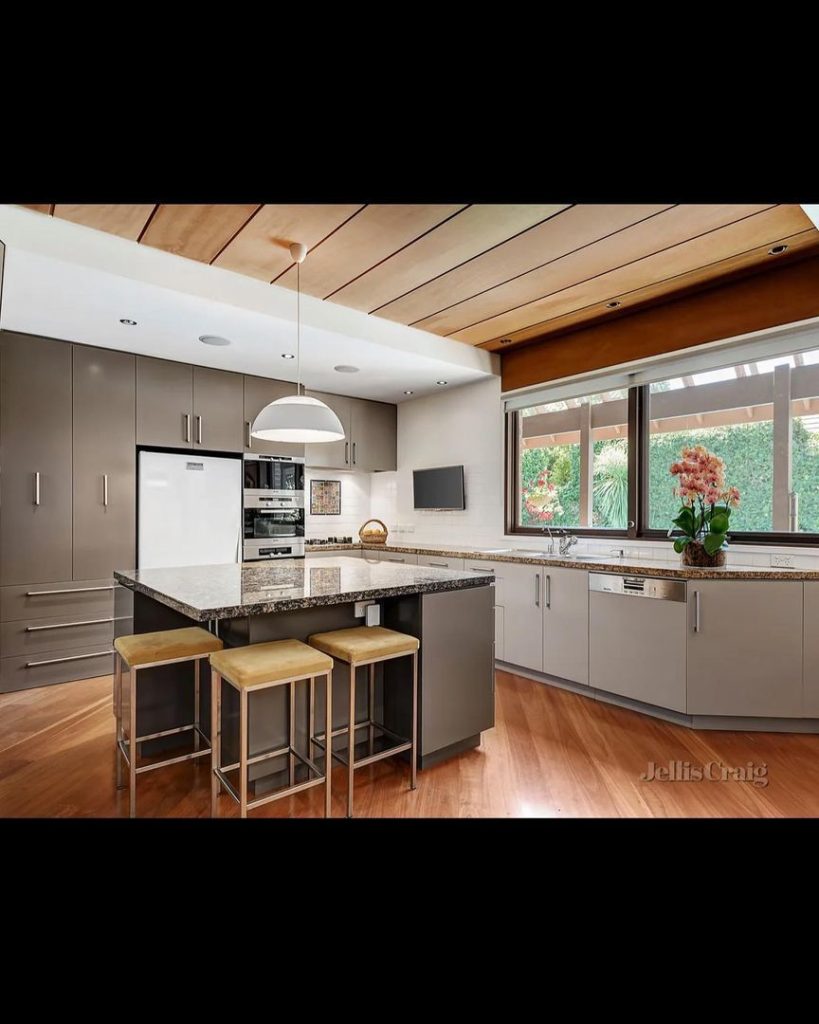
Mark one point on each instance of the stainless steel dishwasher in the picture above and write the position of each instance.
(637, 638)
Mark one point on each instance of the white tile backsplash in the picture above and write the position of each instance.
(355, 504)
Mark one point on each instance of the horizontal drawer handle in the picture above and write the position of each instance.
(442, 565)
(74, 657)
(473, 568)
(66, 625)
(75, 590)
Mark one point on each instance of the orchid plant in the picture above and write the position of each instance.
(706, 502)
(541, 500)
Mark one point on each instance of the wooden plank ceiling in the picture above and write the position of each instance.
(487, 275)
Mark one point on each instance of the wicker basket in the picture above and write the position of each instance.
(373, 536)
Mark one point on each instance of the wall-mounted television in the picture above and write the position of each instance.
(441, 488)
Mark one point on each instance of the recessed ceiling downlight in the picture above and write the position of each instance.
(777, 250)
(613, 304)
(128, 323)
(213, 339)
(344, 368)
(441, 382)
(409, 392)
(288, 355)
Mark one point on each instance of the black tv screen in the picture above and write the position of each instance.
(438, 488)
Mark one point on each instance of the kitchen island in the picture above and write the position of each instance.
(451, 613)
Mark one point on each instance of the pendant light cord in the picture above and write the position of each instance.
(298, 328)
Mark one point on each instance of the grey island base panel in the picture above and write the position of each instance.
(456, 676)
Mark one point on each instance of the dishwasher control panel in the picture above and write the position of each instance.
(637, 586)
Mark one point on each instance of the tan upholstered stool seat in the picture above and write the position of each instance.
(361, 644)
(167, 645)
(258, 664)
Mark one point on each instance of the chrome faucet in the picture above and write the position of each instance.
(567, 541)
(548, 529)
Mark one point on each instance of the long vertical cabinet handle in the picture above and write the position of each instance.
(36, 488)
(353, 452)
(105, 489)
(697, 620)
(346, 452)
(548, 591)
(198, 429)
(249, 441)
(537, 590)
(186, 420)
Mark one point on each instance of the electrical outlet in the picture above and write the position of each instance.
(781, 561)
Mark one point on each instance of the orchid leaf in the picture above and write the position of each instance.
(713, 542)
(680, 543)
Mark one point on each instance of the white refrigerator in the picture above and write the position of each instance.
(189, 510)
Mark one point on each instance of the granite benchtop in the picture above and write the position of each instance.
(258, 588)
(670, 568)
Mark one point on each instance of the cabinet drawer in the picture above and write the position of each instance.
(86, 599)
(441, 562)
(390, 556)
(31, 636)
(22, 672)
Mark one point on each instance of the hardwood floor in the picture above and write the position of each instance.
(551, 754)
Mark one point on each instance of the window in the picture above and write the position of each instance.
(577, 467)
(573, 466)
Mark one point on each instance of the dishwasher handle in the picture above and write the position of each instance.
(697, 612)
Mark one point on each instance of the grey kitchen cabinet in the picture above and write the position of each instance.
(457, 675)
(745, 648)
(519, 590)
(259, 392)
(35, 452)
(333, 454)
(566, 624)
(810, 678)
(218, 410)
(104, 462)
(164, 403)
(373, 435)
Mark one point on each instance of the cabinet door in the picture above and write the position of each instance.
(35, 451)
(104, 462)
(373, 432)
(335, 454)
(811, 640)
(259, 392)
(164, 401)
(441, 562)
(519, 591)
(745, 648)
(566, 624)
(218, 410)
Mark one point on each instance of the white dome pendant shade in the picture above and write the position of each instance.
(297, 419)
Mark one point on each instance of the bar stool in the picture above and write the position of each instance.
(259, 667)
(368, 645)
(150, 650)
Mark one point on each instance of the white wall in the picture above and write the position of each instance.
(462, 426)
(355, 504)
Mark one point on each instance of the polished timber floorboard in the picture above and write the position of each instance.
(551, 754)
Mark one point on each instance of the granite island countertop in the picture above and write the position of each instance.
(253, 588)
(669, 568)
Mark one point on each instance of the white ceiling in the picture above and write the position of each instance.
(77, 285)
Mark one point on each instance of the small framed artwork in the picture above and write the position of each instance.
(325, 497)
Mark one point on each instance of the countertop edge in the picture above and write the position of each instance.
(643, 568)
(296, 604)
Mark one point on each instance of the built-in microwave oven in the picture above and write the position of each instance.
(273, 528)
(273, 476)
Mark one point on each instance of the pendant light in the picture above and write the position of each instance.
(297, 419)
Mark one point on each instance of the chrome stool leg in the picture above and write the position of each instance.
(371, 706)
(351, 744)
(328, 752)
(215, 738)
(118, 713)
(414, 732)
(291, 774)
(132, 735)
(243, 753)
(197, 704)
